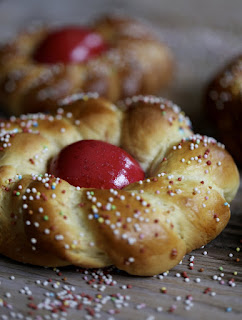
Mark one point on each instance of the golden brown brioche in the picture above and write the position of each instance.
(135, 63)
(145, 228)
(224, 106)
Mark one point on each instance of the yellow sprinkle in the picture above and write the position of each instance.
(85, 98)
(73, 246)
(238, 249)
(188, 162)
(100, 220)
(99, 296)
(235, 273)
(66, 303)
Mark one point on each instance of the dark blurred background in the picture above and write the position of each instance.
(202, 34)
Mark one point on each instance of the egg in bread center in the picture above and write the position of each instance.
(96, 164)
(70, 45)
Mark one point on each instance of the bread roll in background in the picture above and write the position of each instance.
(223, 104)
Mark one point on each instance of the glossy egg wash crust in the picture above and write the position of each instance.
(134, 62)
(145, 228)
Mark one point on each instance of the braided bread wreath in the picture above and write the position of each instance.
(145, 228)
(116, 57)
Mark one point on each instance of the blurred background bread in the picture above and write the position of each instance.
(115, 56)
(223, 104)
(202, 35)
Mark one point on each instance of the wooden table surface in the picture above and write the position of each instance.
(208, 284)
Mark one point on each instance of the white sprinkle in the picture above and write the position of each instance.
(69, 115)
(59, 237)
(95, 209)
(131, 241)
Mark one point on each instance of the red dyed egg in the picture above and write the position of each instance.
(70, 45)
(96, 164)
